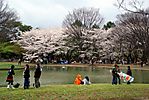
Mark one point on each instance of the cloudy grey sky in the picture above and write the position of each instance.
(51, 13)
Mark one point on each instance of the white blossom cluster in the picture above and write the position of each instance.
(39, 41)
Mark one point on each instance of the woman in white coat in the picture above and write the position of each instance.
(86, 81)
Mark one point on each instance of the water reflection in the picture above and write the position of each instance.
(66, 75)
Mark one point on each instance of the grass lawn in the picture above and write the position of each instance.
(8, 64)
(82, 92)
(5, 65)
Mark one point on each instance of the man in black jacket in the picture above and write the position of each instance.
(37, 75)
(26, 77)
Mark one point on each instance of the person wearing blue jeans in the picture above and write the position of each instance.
(114, 75)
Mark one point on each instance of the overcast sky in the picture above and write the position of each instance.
(51, 13)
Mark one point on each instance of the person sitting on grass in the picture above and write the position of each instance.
(86, 81)
(78, 80)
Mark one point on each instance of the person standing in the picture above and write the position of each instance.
(129, 72)
(26, 77)
(141, 63)
(37, 75)
(10, 77)
(114, 75)
(118, 71)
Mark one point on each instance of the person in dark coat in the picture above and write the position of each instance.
(37, 75)
(129, 73)
(26, 77)
(114, 74)
(118, 71)
(10, 77)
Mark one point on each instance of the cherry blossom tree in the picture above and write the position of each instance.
(82, 37)
(38, 41)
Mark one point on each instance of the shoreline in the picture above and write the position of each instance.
(98, 66)
(137, 67)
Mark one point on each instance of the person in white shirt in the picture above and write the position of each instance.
(86, 81)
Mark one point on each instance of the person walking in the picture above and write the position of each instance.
(37, 75)
(26, 77)
(10, 77)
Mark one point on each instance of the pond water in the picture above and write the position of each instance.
(66, 75)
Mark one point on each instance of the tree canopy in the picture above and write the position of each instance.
(7, 19)
(10, 50)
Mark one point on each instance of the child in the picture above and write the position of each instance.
(26, 77)
(86, 81)
(10, 77)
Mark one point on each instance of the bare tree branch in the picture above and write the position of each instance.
(135, 4)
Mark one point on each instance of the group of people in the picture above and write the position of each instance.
(116, 74)
(26, 75)
(79, 80)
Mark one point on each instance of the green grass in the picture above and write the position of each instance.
(82, 92)
(8, 64)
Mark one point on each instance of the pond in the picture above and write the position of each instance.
(66, 75)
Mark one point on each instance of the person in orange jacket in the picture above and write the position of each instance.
(78, 80)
